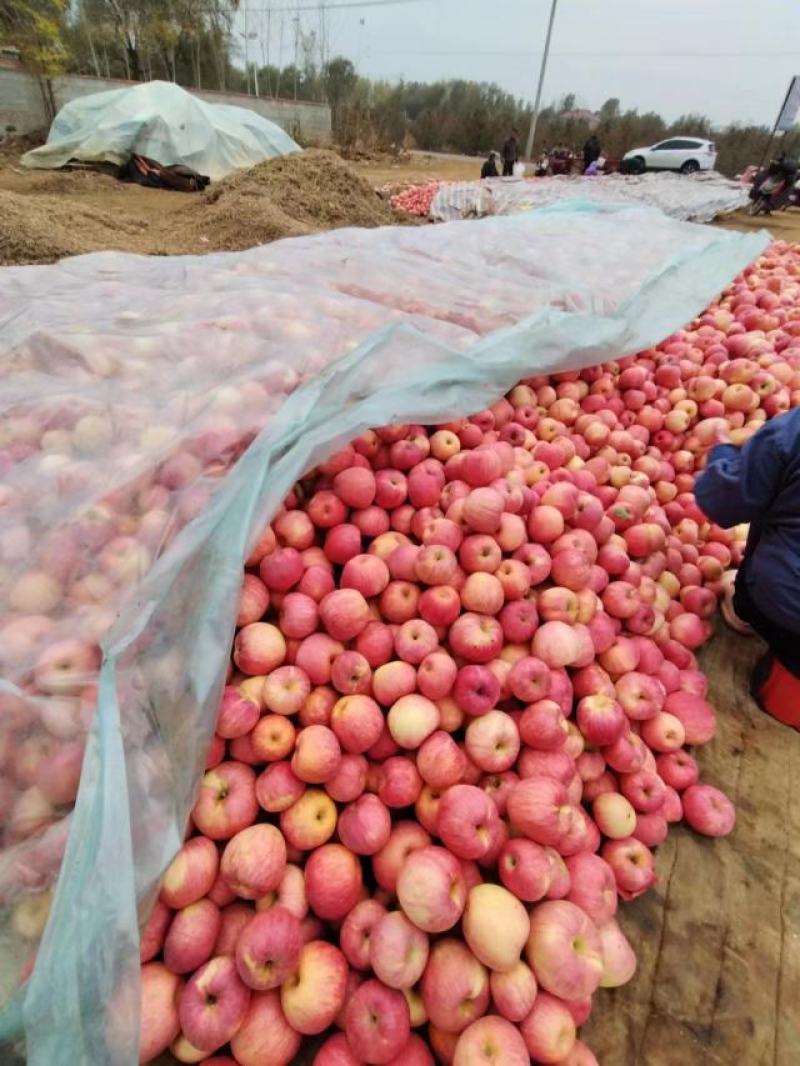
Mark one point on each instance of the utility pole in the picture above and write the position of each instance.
(542, 69)
(296, 21)
(246, 50)
(265, 49)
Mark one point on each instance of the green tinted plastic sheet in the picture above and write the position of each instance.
(164, 122)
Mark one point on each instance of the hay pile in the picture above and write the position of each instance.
(84, 182)
(287, 197)
(42, 229)
(57, 214)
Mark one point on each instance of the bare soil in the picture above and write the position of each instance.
(418, 168)
(783, 225)
(45, 216)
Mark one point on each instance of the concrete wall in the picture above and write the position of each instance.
(22, 104)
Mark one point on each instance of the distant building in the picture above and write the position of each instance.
(582, 114)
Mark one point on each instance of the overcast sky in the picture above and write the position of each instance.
(729, 59)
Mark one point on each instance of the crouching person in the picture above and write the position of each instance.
(759, 483)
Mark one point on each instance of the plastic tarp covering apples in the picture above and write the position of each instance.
(129, 388)
(696, 199)
(164, 122)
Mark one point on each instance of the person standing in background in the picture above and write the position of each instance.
(510, 154)
(591, 152)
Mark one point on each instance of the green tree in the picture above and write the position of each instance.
(36, 27)
(568, 101)
(339, 78)
(179, 40)
(609, 112)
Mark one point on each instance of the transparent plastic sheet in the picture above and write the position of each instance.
(695, 198)
(163, 122)
(288, 351)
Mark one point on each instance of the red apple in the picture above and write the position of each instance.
(265, 1035)
(310, 821)
(191, 937)
(377, 1022)
(159, 1023)
(466, 820)
(405, 838)
(357, 930)
(564, 950)
(493, 1041)
(455, 986)
(431, 888)
(549, 1030)
(333, 881)
(708, 811)
(254, 861)
(313, 996)
(398, 951)
(513, 991)
(268, 949)
(213, 1004)
(226, 801)
(191, 873)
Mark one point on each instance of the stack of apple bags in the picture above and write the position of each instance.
(456, 721)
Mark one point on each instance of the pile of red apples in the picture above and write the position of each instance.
(417, 199)
(462, 693)
(459, 718)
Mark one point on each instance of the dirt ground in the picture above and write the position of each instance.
(718, 982)
(420, 167)
(137, 212)
(48, 215)
(783, 225)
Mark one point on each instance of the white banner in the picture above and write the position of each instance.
(791, 105)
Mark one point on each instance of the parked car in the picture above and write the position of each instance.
(686, 154)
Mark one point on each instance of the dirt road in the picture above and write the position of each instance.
(420, 167)
(783, 225)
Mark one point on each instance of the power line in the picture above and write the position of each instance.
(287, 9)
(594, 55)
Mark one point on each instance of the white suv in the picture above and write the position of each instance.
(686, 154)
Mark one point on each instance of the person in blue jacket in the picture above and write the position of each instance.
(759, 483)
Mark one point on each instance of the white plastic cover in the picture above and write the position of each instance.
(696, 198)
(164, 122)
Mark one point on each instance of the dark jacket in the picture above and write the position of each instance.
(760, 484)
(591, 151)
(489, 168)
(511, 150)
